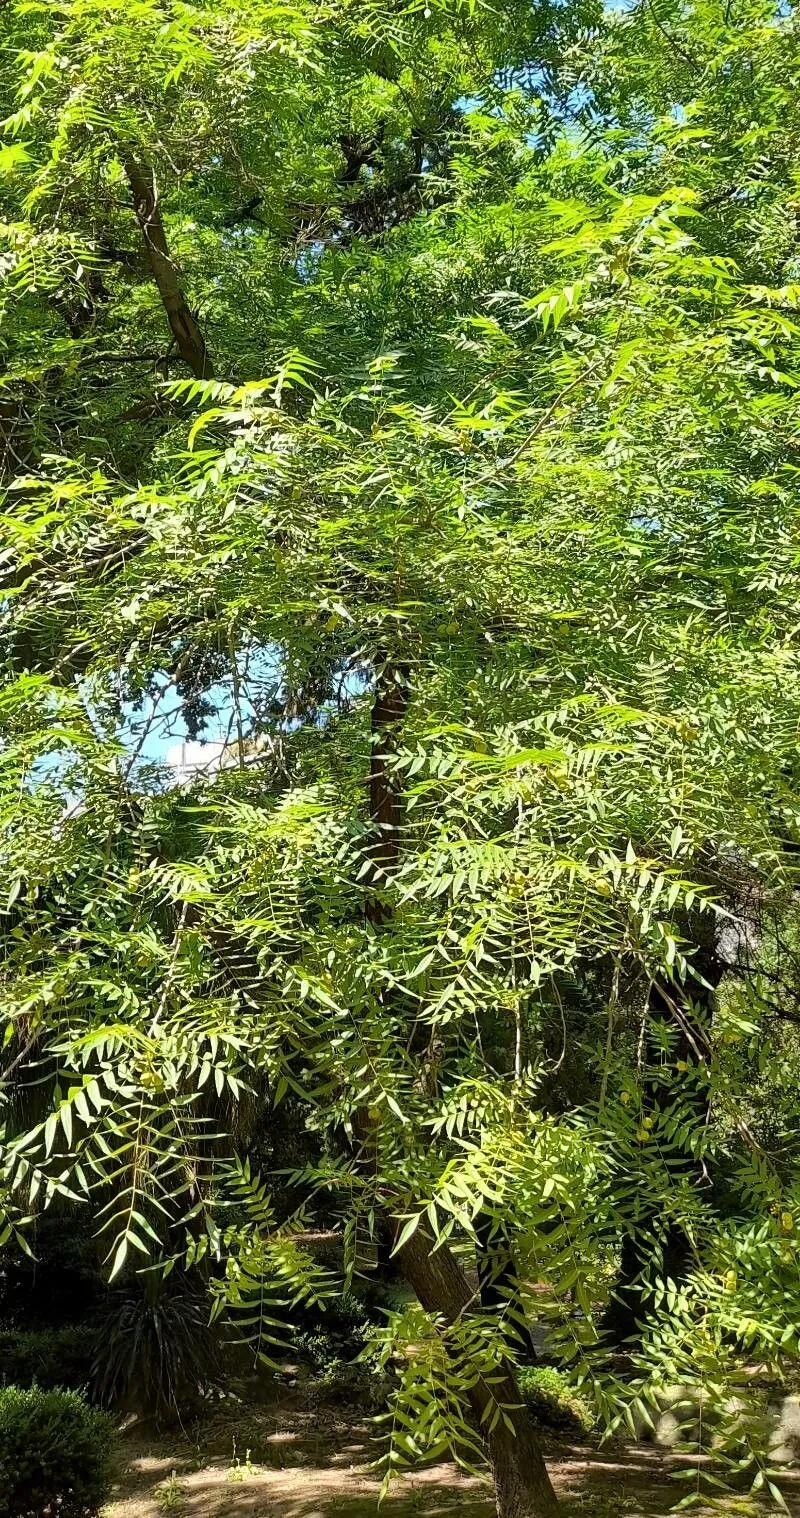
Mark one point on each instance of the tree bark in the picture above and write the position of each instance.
(183, 324)
(522, 1485)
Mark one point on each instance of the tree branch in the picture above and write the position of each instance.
(183, 324)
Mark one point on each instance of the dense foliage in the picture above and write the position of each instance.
(56, 1357)
(54, 1455)
(408, 394)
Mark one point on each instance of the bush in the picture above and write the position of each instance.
(54, 1455)
(58, 1357)
(333, 1334)
(156, 1351)
(554, 1402)
(342, 1384)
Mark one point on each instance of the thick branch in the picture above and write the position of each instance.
(183, 324)
(522, 1484)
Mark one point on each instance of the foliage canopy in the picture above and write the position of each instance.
(408, 393)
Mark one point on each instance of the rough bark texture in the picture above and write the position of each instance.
(522, 1486)
(189, 340)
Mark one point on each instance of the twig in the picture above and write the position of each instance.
(534, 432)
(18, 1058)
(687, 57)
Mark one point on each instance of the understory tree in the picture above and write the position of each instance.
(409, 394)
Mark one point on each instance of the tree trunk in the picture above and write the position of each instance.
(633, 1299)
(522, 1486)
(183, 324)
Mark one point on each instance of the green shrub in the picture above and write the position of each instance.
(333, 1334)
(155, 1350)
(554, 1402)
(56, 1357)
(345, 1384)
(54, 1455)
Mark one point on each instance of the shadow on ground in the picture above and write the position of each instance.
(317, 1465)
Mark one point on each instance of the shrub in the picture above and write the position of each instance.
(156, 1351)
(56, 1357)
(333, 1334)
(554, 1401)
(54, 1455)
(345, 1384)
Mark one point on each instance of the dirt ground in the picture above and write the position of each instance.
(316, 1464)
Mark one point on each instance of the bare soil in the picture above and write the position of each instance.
(315, 1463)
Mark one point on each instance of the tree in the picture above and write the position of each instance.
(494, 580)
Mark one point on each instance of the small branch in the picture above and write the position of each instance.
(719, 198)
(125, 358)
(612, 1009)
(237, 704)
(245, 213)
(673, 42)
(171, 969)
(18, 1059)
(547, 416)
(385, 801)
